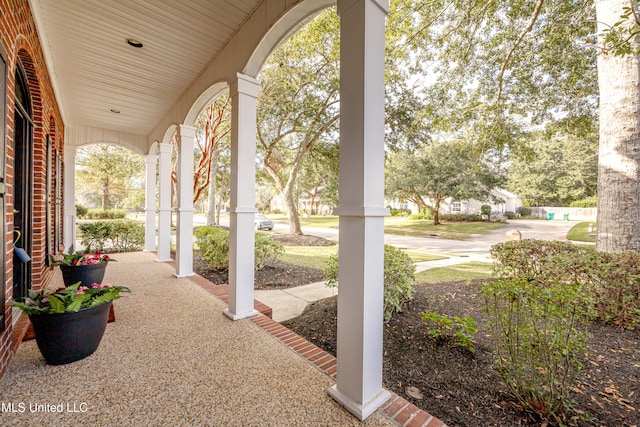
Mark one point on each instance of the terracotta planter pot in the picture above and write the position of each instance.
(66, 337)
(87, 274)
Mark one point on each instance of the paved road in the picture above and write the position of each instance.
(530, 229)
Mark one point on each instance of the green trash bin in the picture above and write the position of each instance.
(566, 217)
(550, 216)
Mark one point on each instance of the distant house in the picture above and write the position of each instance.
(307, 204)
(501, 202)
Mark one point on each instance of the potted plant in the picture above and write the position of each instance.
(82, 266)
(69, 322)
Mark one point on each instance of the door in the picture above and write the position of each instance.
(23, 185)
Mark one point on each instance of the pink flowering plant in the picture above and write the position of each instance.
(80, 258)
(70, 299)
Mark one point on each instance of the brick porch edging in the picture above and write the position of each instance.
(398, 409)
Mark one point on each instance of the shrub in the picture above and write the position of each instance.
(213, 243)
(81, 211)
(95, 235)
(108, 214)
(427, 214)
(485, 210)
(589, 202)
(117, 236)
(538, 342)
(267, 251)
(461, 218)
(127, 235)
(400, 212)
(510, 214)
(455, 330)
(611, 280)
(524, 211)
(399, 274)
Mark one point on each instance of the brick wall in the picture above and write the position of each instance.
(20, 41)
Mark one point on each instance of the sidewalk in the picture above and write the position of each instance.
(289, 303)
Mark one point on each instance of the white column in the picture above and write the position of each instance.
(243, 92)
(184, 230)
(151, 161)
(164, 202)
(69, 233)
(361, 210)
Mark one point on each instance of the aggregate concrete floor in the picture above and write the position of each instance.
(171, 359)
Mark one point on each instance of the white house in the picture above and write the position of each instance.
(501, 202)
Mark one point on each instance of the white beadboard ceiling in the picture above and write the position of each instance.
(94, 70)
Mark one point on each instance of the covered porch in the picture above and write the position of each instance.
(138, 74)
(172, 358)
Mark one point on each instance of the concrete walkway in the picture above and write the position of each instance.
(289, 303)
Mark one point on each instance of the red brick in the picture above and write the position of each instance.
(394, 406)
(420, 418)
(406, 413)
(435, 423)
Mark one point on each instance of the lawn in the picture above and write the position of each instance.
(447, 230)
(408, 227)
(580, 232)
(465, 271)
(317, 256)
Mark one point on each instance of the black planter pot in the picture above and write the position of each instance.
(87, 274)
(67, 337)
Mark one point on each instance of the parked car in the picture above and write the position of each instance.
(263, 223)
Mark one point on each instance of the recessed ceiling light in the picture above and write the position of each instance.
(113, 110)
(135, 43)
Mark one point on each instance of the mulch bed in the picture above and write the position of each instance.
(281, 275)
(461, 388)
(457, 386)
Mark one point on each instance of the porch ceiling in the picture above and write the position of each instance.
(94, 70)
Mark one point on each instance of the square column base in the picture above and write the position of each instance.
(361, 411)
(234, 316)
(180, 276)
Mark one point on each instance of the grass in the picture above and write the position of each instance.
(446, 230)
(465, 271)
(317, 256)
(408, 227)
(309, 256)
(580, 232)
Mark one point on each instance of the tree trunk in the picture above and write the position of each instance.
(436, 213)
(292, 209)
(211, 213)
(105, 195)
(619, 150)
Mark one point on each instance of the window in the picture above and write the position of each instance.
(57, 224)
(47, 200)
(456, 207)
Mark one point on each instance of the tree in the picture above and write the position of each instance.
(105, 174)
(298, 104)
(438, 171)
(619, 152)
(562, 166)
(212, 130)
(319, 175)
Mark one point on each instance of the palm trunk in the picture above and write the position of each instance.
(619, 150)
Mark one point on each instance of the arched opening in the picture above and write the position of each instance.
(23, 183)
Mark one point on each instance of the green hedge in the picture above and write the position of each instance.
(114, 236)
(102, 214)
(213, 246)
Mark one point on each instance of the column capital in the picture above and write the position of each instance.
(164, 147)
(151, 158)
(246, 85)
(186, 131)
(344, 5)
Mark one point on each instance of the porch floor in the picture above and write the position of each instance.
(173, 358)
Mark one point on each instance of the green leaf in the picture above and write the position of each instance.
(57, 306)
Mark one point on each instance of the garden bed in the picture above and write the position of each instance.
(462, 388)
